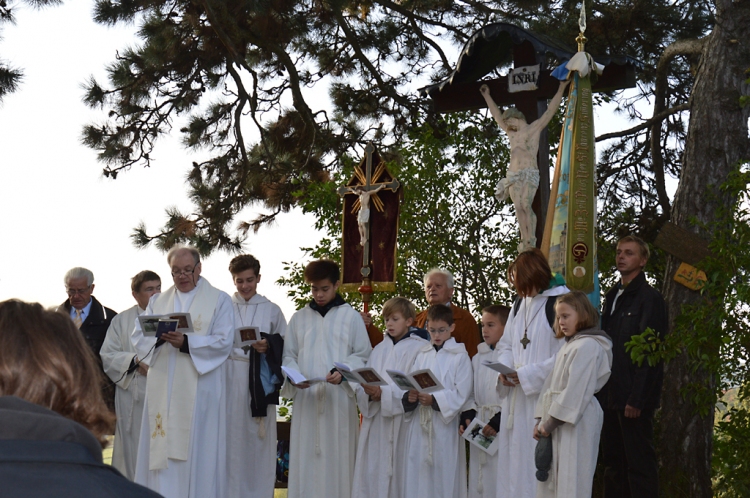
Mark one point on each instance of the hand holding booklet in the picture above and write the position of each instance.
(156, 325)
(475, 436)
(297, 378)
(498, 367)
(424, 381)
(367, 376)
(246, 336)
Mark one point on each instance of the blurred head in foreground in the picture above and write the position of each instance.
(44, 360)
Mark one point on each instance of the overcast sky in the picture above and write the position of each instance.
(57, 210)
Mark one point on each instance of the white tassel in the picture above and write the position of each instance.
(321, 398)
(425, 420)
(261, 427)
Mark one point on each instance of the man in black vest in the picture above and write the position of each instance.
(632, 394)
(90, 316)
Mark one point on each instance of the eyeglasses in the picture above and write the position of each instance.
(183, 272)
(80, 292)
(438, 331)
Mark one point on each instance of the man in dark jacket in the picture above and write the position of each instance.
(632, 394)
(90, 316)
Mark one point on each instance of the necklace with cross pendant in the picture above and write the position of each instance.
(525, 339)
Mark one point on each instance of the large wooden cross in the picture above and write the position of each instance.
(483, 53)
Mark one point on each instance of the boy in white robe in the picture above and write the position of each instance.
(251, 406)
(323, 440)
(119, 361)
(430, 464)
(528, 346)
(567, 411)
(485, 402)
(381, 407)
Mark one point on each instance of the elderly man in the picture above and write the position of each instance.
(119, 360)
(89, 315)
(438, 289)
(181, 450)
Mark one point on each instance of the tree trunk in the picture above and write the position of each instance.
(717, 141)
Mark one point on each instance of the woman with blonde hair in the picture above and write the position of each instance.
(53, 419)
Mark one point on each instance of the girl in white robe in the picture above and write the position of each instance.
(567, 410)
(431, 463)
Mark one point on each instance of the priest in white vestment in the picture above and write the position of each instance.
(528, 346)
(119, 361)
(251, 420)
(182, 450)
(324, 423)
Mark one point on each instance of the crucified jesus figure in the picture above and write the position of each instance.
(363, 217)
(522, 179)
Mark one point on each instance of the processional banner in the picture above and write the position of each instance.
(570, 234)
(384, 207)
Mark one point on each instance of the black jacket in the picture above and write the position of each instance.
(259, 401)
(43, 454)
(639, 307)
(94, 330)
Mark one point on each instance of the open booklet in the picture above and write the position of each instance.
(424, 381)
(150, 323)
(246, 336)
(473, 434)
(368, 376)
(498, 367)
(297, 378)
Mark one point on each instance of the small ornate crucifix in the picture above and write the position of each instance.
(367, 191)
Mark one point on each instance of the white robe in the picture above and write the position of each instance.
(430, 463)
(324, 423)
(581, 369)
(251, 442)
(117, 353)
(379, 443)
(203, 474)
(486, 397)
(516, 471)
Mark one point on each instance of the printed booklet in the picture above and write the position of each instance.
(150, 323)
(473, 434)
(424, 381)
(498, 367)
(297, 378)
(367, 376)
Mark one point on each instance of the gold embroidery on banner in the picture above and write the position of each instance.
(159, 431)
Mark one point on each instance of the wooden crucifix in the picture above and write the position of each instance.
(370, 227)
(528, 85)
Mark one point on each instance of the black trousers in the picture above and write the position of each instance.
(630, 467)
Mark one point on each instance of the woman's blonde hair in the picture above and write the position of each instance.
(44, 360)
(588, 317)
